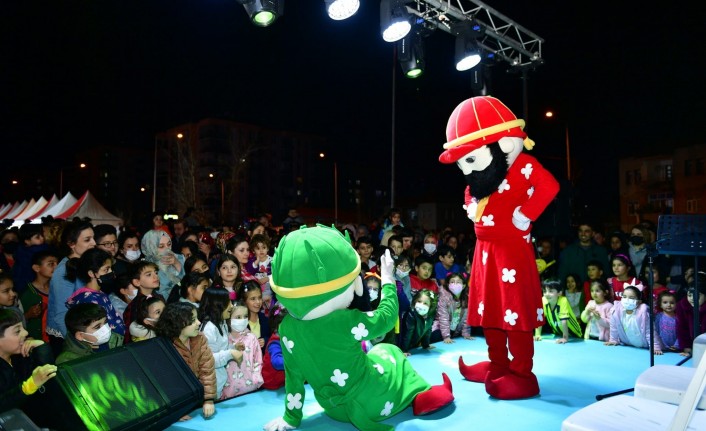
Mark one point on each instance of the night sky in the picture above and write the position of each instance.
(626, 79)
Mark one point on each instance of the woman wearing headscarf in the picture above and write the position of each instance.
(157, 248)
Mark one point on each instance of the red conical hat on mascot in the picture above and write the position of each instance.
(477, 122)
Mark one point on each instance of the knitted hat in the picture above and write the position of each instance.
(477, 122)
(312, 265)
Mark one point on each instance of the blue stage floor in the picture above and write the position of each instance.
(570, 376)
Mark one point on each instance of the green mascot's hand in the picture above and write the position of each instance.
(387, 267)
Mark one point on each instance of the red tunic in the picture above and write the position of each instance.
(505, 290)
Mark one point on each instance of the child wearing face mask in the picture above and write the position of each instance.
(122, 294)
(372, 283)
(94, 268)
(629, 323)
(403, 265)
(452, 310)
(417, 322)
(245, 375)
(142, 328)
(87, 332)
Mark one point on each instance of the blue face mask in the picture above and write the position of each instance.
(629, 303)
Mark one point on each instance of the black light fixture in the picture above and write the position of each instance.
(341, 9)
(467, 54)
(263, 13)
(394, 20)
(410, 53)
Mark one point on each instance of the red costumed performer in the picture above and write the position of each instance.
(507, 189)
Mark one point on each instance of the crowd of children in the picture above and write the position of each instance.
(209, 293)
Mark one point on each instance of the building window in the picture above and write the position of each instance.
(628, 177)
(633, 206)
(692, 206)
(699, 166)
(638, 176)
(688, 167)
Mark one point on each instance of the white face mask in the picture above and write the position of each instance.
(456, 288)
(422, 309)
(132, 294)
(629, 303)
(401, 274)
(238, 325)
(132, 255)
(102, 335)
(430, 248)
(373, 294)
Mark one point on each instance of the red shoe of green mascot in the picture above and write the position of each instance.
(315, 273)
(506, 190)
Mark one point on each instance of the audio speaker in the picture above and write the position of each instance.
(144, 385)
(16, 420)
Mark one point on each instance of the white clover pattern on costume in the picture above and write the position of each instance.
(530, 191)
(370, 314)
(339, 377)
(481, 307)
(487, 220)
(393, 360)
(511, 317)
(288, 344)
(294, 401)
(540, 314)
(379, 368)
(509, 275)
(485, 257)
(388, 409)
(359, 332)
(527, 237)
(503, 186)
(527, 170)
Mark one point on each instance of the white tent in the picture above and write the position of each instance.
(5, 209)
(31, 208)
(17, 209)
(66, 202)
(33, 212)
(88, 206)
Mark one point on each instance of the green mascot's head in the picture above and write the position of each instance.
(311, 266)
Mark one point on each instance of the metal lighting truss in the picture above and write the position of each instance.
(499, 34)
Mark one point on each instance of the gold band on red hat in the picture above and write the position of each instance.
(316, 289)
(485, 132)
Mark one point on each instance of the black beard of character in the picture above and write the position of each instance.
(484, 183)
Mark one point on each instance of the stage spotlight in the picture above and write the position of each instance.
(394, 20)
(263, 13)
(410, 53)
(341, 9)
(467, 51)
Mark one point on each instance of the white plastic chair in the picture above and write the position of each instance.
(624, 412)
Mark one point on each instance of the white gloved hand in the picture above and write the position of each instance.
(471, 211)
(520, 220)
(277, 424)
(387, 268)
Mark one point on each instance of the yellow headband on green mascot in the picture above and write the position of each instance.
(312, 265)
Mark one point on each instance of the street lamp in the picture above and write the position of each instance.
(550, 114)
(61, 176)
(335, 189)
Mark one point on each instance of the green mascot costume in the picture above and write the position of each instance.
(315, 273)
